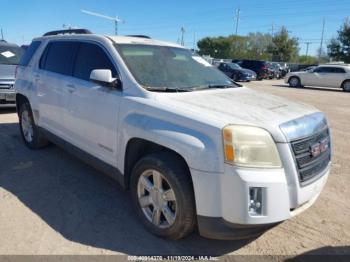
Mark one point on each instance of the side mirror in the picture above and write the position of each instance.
(104, 77)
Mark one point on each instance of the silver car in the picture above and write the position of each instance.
(10, 55)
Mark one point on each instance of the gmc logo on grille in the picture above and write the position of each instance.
(320, 147)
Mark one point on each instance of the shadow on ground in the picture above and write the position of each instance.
(6, 110)
(328, 253)
(314, 88)
(83, 205)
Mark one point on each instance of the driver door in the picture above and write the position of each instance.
(93, 109)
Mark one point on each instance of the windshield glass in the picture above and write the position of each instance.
(170, 67)
(10, 55)
(234, 66)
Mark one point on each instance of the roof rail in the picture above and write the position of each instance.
(140, 36)
(68, 31)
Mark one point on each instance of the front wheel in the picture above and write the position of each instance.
(162, 195)
(294, 82)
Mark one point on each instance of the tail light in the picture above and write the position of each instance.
(264, 68)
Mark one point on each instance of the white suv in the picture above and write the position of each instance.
(193, 148)
(322, 76)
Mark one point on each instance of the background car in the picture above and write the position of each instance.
(258, 66)
(10, 55)
(237, 73)
(322, 76)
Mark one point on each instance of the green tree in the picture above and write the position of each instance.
(283, 47)
(308, 60)
(257, 45)
(339, 48)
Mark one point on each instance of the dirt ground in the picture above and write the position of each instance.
(51, 203)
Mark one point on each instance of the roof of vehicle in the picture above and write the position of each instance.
(335, 65)
(116, 39)
(4, 43)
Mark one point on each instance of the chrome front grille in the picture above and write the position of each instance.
(6, 86)
(312, 155)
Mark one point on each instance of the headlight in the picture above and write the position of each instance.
(250, 146)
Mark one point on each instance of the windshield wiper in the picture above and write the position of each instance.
(212, 86)
(169, 89)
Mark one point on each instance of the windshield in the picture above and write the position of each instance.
(10, 55)
(170, 68)
(234, 66)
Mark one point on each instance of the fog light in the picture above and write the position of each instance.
(255, 201)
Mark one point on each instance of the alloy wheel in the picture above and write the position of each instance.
(156, 199)
(27, 126)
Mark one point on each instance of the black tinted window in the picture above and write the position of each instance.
(91, 57)
(338, 70)
(29, 53)
(58, 57)
(324, 70)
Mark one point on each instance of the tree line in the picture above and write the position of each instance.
(277, 47)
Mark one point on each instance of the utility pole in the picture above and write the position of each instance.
(272, 29)
(307, 47)
(321, 46)
(194, 41)
(238, 12)
(182, 36)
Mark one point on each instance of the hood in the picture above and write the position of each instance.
(7, 72)
(239, 106)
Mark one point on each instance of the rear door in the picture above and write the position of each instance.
(53, 83)
(93, 109)
(321, 76)
(337, 77)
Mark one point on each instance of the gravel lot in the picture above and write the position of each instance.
(51, 203)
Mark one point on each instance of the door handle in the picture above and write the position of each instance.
(71, 88)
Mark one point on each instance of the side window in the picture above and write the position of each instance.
(321, 70)
(58, 57)
(29, 53)
(91, 57)
(338, 70)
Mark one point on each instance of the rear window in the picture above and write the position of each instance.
(58, 57)
(10, 55)
(29, 53)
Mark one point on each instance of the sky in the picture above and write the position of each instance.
(22, 20)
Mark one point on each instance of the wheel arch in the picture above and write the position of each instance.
(289, 78)
(342, 84)
(137, 148)
(20, 99)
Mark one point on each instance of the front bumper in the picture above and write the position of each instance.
(224, 197)
(247, 78)
(7, 95)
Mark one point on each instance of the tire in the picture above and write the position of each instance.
(30, 132)
(294, 81)
(235, 77)
(175, 219)
(346, 86)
